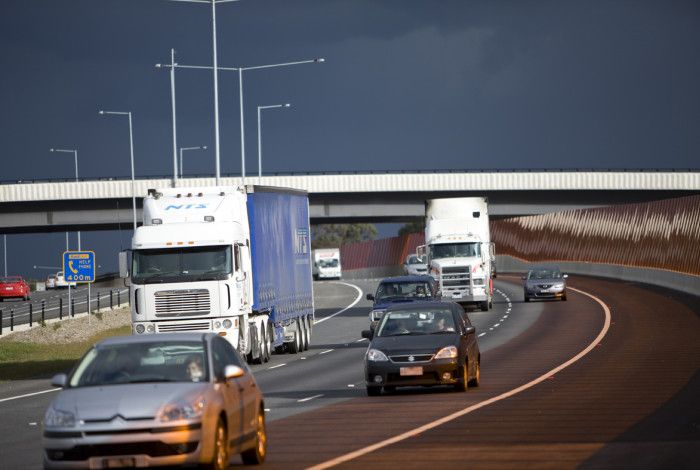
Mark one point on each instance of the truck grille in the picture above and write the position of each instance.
(453, 276)
(182, 303)
(455, 269)
(190, 326)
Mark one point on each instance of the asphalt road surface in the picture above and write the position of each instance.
(629, 402)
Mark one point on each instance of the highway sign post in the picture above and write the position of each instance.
(79, 266)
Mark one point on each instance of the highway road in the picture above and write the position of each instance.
(625, 398)
(52, 306)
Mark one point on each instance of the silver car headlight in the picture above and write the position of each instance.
(376, 355)
(449, 352)
(182, 409)
(58, 418)
(558, 286)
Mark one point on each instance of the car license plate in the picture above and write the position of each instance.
(9, 288)
(411, 371)
(119, 462)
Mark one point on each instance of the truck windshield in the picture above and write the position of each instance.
(204, 263)
(328, 263)
(455, 250)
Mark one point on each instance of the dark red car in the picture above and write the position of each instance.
(13, 287)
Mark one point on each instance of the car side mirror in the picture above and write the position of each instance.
(370, 297)
(368, 334)
(59, 380)
(233, 372)
(470, 330)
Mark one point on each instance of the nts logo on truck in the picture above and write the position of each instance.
(301, 242)
(186, 206)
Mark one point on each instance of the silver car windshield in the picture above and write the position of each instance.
(158, 361)
(182, 264)
(544, 274)
(417, 322)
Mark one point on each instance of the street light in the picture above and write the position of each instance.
(260, 108)
(75, 154)
(4, 249)
(131, 148)
(216, 78)
(182, 149)
(240, 71)
(174, 113)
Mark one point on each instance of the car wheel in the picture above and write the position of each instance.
(463, 383)
(374, 391)
(484, 306)
(476, 380)
(564, 297)
(219, 460)
(389, 389)
(527, 299)
(256, 455)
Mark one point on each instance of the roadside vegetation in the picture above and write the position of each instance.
(53, 348)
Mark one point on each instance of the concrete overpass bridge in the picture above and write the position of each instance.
(102, 204)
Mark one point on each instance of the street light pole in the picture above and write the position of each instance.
(4, 249)
(182, 149)
(240, 71)
(131, 150)
(216, 77)
(75, 155)
(172, 99)
(260, 108)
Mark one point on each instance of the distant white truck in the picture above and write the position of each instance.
(459, 249)
(326, 263)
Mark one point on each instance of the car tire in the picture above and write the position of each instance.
(256, 455)
(389, 389)
(463, 383)
(527, 299)
(484, 306)
(564, 297)
(373, 391)
(219, 460)
(476, 380)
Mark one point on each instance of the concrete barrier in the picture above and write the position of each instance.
(687, 283)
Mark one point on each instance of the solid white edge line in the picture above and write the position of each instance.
(309, 398)
(278, 365)
(427, 427)
(29, 394)
(359, 296)
(325, 352)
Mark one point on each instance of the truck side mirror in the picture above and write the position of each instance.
(123, 264)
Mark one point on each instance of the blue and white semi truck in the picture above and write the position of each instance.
(235, 261)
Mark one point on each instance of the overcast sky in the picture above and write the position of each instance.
(414, 85)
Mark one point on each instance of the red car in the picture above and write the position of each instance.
(13, 286)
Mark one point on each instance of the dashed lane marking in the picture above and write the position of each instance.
(301, 400)
(278, 365)
(325, 352)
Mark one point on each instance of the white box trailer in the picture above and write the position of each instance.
(326, 263)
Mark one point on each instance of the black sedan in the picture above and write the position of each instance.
(422, 344)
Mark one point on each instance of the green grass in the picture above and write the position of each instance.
(19, 360)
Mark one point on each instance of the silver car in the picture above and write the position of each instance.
(415, 266)
(545, 282)
(170, 399)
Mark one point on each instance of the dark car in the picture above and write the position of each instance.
(401, 289)
(142, 401)
(544, 282)
(13, 287)
(422, 344)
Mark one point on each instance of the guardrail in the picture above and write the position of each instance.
(39, 312)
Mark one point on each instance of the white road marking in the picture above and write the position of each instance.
(490, 329)
(505, 316)
(29, 394)
(361, 340)
(32, 424)
(351, 385)
(302, 358)
(451, 417)
(496, 325)
(482, 334)
(357, 299)
(309, 398)
(278, 365)
(267, 409)
(325, 352)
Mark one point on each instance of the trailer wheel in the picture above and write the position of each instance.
(258, 346)
(308, 322)
(305, 334)
(270, 337)
(295, 345)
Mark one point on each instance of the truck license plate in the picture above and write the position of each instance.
(411, 371)
(456, 295)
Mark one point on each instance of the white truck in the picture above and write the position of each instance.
(459, 249)
(326, 263)
(235, 261)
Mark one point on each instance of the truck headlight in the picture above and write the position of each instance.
(479, 281)
(449, 352)
(139, 328)
(58, 418)
(376, 355)
(227, 324)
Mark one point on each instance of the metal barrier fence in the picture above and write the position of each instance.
(12, 316)
(375, 253)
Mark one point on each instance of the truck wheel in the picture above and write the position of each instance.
(373, 391)
(258, 347)
(270, 337)
(295, 345)
(305, 329)
(254, 353)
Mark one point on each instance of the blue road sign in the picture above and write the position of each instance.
(79, 266)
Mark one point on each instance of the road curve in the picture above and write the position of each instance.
(630, 403)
